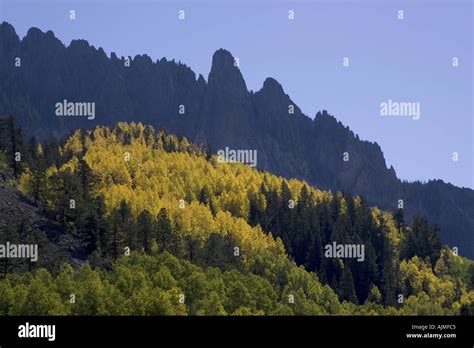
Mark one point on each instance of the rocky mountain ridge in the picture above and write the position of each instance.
(220, 112)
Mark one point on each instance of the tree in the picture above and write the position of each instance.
(126, 220)
(365, 273)
(205, 195)
(9, 233)
(422, 240)
(346, 286)
(117, 235)
(145, 228)
(218, 252)
(285, 217)
(87, 178)
(164, 230)
(387, 279)
(38, 187)
(12, 142)
(399, 218)
(209, 152)
(65, 196)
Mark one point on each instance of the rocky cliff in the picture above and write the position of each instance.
(220, 112)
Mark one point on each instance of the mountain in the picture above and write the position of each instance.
(220, 112)
(170, 230)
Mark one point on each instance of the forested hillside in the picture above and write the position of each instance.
(219, 111)
(167, 229)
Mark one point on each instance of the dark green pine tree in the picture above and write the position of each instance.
(10, 234)
(399, 217)
(364, 225)
(346, 286)
(351, 209)
(87, 178)
(117, 237)
(126, 219)
(205, 195)
(365, 273)
(300, 239)
(12, 142)
(103, 231)
(388, 265)
(315, 255)
(422, 240)
(272, 210)
(218, 252)
(38, 180)
(149, 135)
(90, 229)
(257, 213)
(66, 197)
(163, 230)
(32, 149)
(335, 208)
(258, 209)
(145, 229)
(325, 223)
(51, 153)
(285, 214)
(209, 152)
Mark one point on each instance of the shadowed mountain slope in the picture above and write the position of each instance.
(221, 112)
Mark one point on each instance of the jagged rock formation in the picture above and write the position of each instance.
(220, 112)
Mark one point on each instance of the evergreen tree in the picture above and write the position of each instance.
(285, 214)
(87, 178)
(126, 220)
(38, 187)
(145, 227)
(164, 230)
(117, 236)
(219, 252)
(205, 196)
(422, 240)
(399, 218)
(12, 143)
(102, 233)
(346, 286)
(209, 152)
(9, 233)
(387, 282)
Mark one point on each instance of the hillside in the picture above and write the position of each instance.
(220, 112)
(170, 230)
(23, 222)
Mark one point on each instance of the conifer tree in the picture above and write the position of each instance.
(12, 142)
(87, 178)
(205, 195)
(346, 286)
(399, 218)
(164, 231)
(144, 222)
(37, 185)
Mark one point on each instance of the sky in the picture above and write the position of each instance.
(403, 60)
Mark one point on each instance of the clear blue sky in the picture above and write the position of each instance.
(407, 60)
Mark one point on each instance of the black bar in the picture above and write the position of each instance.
(242, 330)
